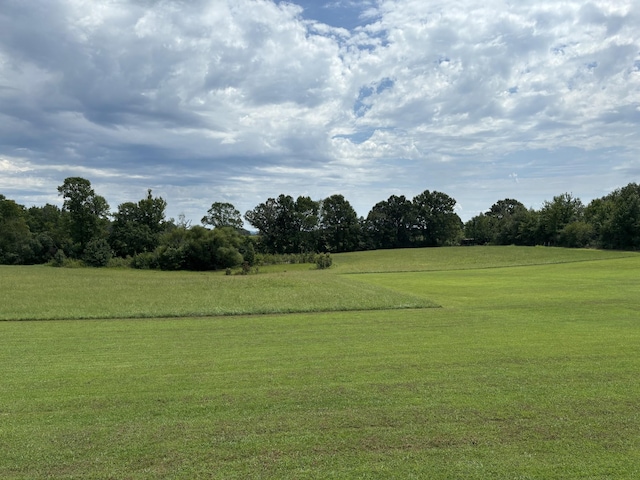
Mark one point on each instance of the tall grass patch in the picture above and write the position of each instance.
(39, 292)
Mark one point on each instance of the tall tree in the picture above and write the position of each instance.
(506, 217)
(15, 236)
(557, 214)
(286, 225)
(479, 229)
(87, 211)
(625, 221)
(616, 218)
(273, 219)
(137, 226)
(49, 228)
(339, 224)
(388, 224)
(222, 214)
(435, 221)
(306, 225)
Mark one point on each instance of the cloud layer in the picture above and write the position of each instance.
(220, 100)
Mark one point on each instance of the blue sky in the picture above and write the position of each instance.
(242, 100)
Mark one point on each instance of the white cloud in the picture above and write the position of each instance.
(245, 96)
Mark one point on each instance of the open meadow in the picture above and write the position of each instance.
(462, 362)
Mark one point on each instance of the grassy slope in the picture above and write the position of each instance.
(526, 372)
(464, 258)
(41, 292)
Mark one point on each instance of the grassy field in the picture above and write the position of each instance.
(527, 370)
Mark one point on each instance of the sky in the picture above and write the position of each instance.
(238, 101)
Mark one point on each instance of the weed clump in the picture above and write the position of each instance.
(323, 261)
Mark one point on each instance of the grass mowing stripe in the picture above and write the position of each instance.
(464, 258)
(527, 372)
(405, 393)
(607, 283)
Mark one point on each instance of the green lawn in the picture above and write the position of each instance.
(529, 370)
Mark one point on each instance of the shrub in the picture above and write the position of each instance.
(228, 257)
(576, 235)
(59, 259)
(119, 262)
(171, 258)
(97, 253)
(145, 261)
(323, 260)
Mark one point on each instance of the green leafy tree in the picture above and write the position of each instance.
(616, 218)
(270, 218)
(137, 226)
(625, 223)
(197, 248)
(557, 214)
(506, 217)
(305, 229)
(15, 236)
(339, 224)
(389, 223)
(88, 212)
(48, 224)
(528, 227)
(248, 251)
(97, 253)
(578, 234)
(222, 214)
(435, 222)
(479, 229)
(286, 225)
(598, 214)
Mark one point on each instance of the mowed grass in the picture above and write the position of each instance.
(525, 372)
(464, 258)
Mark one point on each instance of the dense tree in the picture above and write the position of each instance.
(615, 218)
(87, 211)
(557, 214)
(577, 234)
(137, 226)
(339, 225)
(528, 222)
(506, 217)
(507, 222)
(15, 236)
(97, 253)
(222, 214)
(435, 221)
(274, 220)
(624, 230)
(479, 229)
(598, 214)
(306, 232)
(48, 224)
(286, 225)
(198, 248)
(389, 223)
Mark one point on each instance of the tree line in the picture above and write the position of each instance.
(139, 235)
